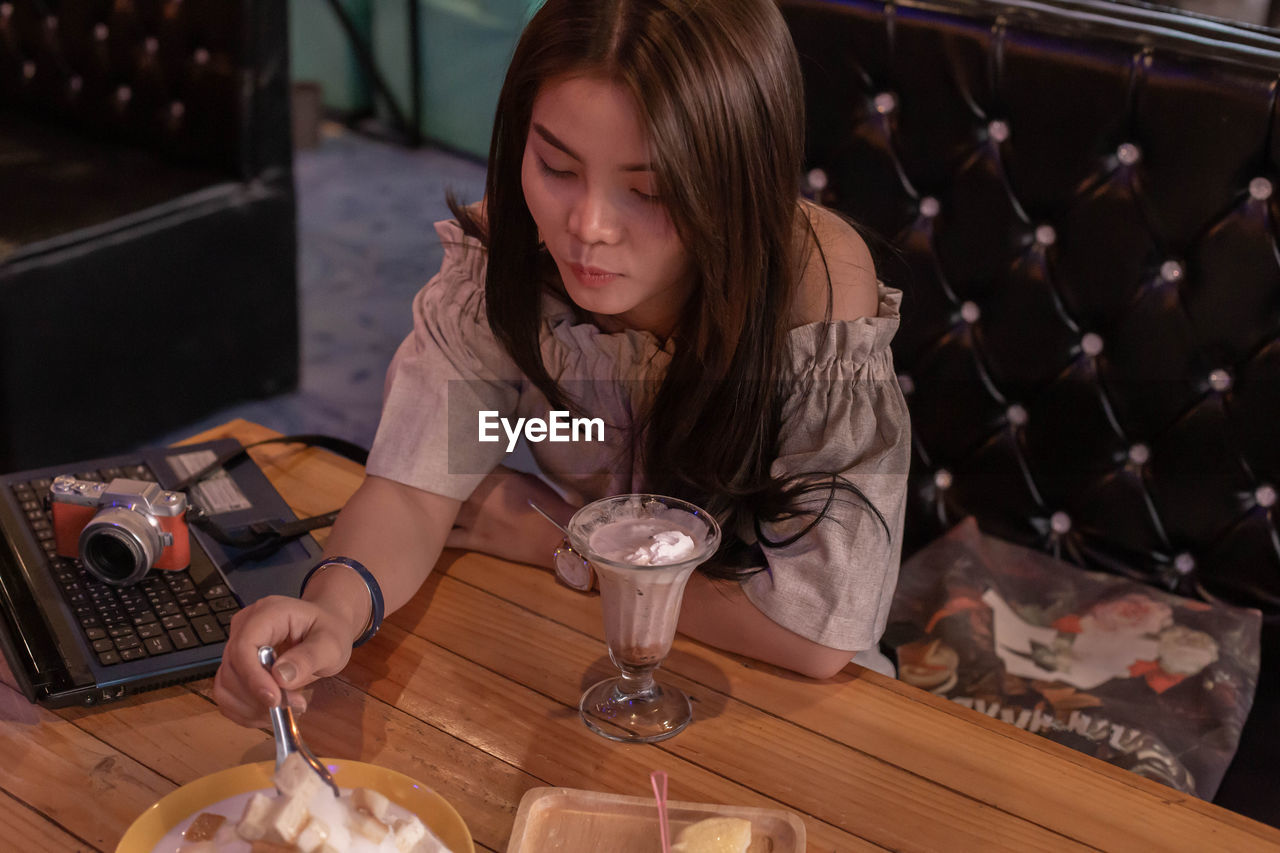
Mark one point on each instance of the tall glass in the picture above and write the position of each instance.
(641, 607)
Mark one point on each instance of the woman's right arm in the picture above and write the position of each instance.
(397, 532)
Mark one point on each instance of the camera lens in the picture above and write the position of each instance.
(119, 546)
(110, 556)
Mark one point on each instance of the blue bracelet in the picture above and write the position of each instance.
(375, 593)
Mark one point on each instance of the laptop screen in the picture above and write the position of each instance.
(25, 635)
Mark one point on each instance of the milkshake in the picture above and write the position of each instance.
(642, 635)
(643, 548)
(643, 542)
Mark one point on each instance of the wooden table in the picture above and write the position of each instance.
(473, 688)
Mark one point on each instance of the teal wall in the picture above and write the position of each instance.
(465, 47)
(319, 51)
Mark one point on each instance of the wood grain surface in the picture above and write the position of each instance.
(473, 687)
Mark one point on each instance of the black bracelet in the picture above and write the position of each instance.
(375, 593)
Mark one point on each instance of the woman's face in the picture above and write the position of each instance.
(590, 187)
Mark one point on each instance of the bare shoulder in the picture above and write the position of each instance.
(836, 261)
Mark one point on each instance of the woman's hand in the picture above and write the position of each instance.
(310, 642)
(395, 530)
(498, 520)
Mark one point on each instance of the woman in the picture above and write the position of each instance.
(644, 258)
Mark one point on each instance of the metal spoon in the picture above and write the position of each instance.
(285, 728)
(542, 512)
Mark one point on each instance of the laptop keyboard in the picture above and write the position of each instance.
(165, 612)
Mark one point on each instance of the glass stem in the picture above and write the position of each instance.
(636, 681)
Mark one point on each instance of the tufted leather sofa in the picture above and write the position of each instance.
(1079, 200)
(147, 219)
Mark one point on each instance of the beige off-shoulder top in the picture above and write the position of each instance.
(843, 411)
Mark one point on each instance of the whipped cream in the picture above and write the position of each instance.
(643, 542)
(669, 546)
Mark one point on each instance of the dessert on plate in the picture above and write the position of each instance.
(302, 816)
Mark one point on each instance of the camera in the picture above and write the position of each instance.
(120, 530)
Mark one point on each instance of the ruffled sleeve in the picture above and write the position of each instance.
(446, 372)
(843, 413)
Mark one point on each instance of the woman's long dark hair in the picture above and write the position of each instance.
(719, 88)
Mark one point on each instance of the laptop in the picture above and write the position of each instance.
(73, 639)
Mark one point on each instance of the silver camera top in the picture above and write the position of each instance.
(139, 495)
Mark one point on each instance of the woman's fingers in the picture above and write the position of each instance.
(305, 649)
(272, 621)
(232, 704)
(319, 654)
(248, 713)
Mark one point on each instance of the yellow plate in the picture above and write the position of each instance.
(178, 805)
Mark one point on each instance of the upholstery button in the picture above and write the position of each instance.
(76, 83)
(1265, 495)
(1128, 154)
(929, 207)
(906, 383)
(1184, 563)
(1060, 523)
(28, 70)
(942, 479)
(6, 11)
(100, 32)
(177, 109)
(201, 56)
(51, 23)
(998, 131)
(1016, 415)
(1260, 189)
(151, 45)
(1171, 271)
(970, 312)
(1046, 235)
(885, 103)
(817, 180)
(1220, 380)
(124, 94)
(1091, 344)
(1139, 454)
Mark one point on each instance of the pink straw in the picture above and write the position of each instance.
(659, 780)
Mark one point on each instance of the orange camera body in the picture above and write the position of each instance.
(68, 520)
(121, 529)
